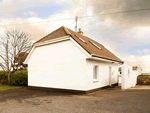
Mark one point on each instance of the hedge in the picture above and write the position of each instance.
(19, 78)
(143, 75)
(3, 77)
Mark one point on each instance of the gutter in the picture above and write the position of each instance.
(93, 55)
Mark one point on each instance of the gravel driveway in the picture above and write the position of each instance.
(104, 101)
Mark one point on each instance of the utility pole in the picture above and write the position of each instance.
(76, 20)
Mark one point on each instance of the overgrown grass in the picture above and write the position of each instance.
(4, 87)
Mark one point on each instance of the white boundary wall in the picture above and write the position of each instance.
(129, 77)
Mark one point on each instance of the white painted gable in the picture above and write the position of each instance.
(58, 65)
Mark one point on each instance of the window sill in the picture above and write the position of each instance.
(95, 80)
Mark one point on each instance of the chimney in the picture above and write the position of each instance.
(80, 31)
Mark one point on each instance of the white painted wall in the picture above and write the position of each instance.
(119, 79)
(64, 65)
(139, 71)
(58, 65)
(103, 77)
(129, 77)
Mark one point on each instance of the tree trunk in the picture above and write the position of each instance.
(9, 76)
(7, 62)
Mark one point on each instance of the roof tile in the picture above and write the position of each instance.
(89, 47)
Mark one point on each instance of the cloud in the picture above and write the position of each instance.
(131, 19)
(118, 32)
(30, 13)
(143, 61)
(9, 7)
(144, 51)
(42, 27)
(39, 30)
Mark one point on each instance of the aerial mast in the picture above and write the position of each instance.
(76, 20)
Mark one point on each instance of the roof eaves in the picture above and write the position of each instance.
(93, 55)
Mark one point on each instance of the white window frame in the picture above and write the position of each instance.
(80, 39)
(95, 45)
(95, 73)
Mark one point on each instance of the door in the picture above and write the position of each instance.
(110, 75)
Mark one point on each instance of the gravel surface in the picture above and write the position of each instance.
(111, 100)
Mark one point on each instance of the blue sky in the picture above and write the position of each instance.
(134, 50)
(41, 11)
(126, 35)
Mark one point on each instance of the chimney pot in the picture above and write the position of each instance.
(80, 31)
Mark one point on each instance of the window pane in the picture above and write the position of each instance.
(95, 72)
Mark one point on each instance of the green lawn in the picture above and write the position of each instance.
(4, 87)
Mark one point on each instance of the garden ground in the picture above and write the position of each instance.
(111, 100)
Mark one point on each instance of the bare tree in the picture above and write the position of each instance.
(19, 59)
(11, 44)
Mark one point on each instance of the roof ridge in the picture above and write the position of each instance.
(51, 33)
(85, 36)
(97, 43)
(66, 30)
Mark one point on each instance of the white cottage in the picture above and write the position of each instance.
(65, 59)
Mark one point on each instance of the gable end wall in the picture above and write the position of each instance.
(58, 65)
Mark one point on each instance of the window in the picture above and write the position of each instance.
(80, 39)
(95, 45)
(95, 73)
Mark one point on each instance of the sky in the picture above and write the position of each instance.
(127, 35)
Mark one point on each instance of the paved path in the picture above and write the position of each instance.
(104, 101)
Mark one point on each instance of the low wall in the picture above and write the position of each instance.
(129, 77)
(143, 80)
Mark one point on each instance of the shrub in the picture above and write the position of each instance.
(3, 77)
(19, 78)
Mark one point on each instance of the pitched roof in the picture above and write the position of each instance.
(79, 38)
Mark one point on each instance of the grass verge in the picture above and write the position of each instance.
(5, 87)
